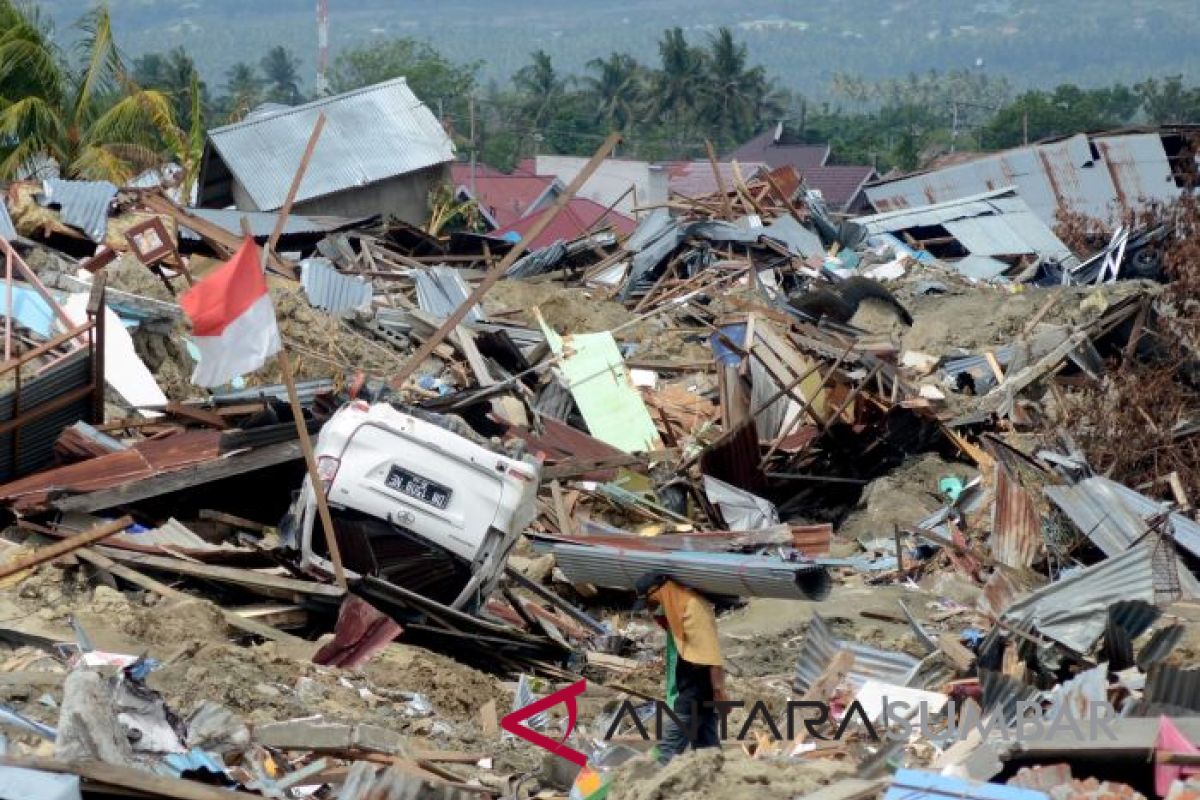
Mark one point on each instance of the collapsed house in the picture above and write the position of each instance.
(852, 434)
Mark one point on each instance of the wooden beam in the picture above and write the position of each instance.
(232, 619)
(221, 574)
(62, 548)
(498, 271)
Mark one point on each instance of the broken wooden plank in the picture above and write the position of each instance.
(213, 572)
(62, 548)
(161, 589)
(194, 414)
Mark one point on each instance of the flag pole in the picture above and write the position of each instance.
(285, 365)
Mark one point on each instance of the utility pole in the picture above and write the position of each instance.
(322, 48)
(1025, 126)
(471, 111)
(954, 130)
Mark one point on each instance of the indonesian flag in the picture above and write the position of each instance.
(233, 320)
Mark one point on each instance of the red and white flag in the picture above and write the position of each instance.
(233, 320)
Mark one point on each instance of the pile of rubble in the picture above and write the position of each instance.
(854, 435)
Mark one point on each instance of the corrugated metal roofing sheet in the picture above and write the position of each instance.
(331, 291)
(371, 134)
(1074, 610)
(990, 224)
(1114, 516)
(6, 224)
(820, 647)
(915, 784)
(36, 439)
(441, 290)
(713, 573)
(1125, 171)
(1016, 525)
(81, 204)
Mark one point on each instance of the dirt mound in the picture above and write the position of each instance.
(715, 775)
(567, 310)
(901, 497)
(457, 692)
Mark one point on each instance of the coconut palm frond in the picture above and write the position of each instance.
(102, 164)
(28, 67)
(143, 118)
(103, 69)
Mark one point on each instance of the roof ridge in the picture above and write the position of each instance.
(319, 102)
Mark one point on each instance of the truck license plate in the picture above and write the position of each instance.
(418, 488)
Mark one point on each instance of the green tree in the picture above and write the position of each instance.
(91, 119)
(430, 75)
(540, 86)
(615, 90)
(738, 96)
(244, 90)
(1169, 101)
(172, 73)
(282, 71)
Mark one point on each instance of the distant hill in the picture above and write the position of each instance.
(1030, 42)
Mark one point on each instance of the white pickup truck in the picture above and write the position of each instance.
(415, 503)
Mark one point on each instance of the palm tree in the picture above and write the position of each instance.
(171, 73)
(615, 89)
(93, 121)
(681, 76)
(736, 94)
(245, 89)
(281, 69)
(540, 85)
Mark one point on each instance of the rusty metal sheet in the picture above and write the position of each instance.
(735, 460)
(143, 460)
(1016, 524)
(560, 442)
(361, 631)
(1098, 176)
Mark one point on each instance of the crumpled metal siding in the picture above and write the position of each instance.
(726, 574)
(1074, 609)
(870, 663)
(370, 135)
(440, 290)
(82, 204)
(1138, 167)
(36, 440)
(6, 224)
(330, 290)
(993, 223)
(1063, 174)
(1016, 524)
(1114, 516)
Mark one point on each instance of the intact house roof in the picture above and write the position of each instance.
(839, 185)
(763, 148)
(504, 199)
(696, 179)
(577, 219)
(370, 135)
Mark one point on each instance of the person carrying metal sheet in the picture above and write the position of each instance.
(695, 670)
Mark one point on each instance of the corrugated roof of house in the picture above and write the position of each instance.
(762, 148)
(838, 183)
(577, 219)
(506, 198)
(370, 134)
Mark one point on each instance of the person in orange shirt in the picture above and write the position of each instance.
(697, 681)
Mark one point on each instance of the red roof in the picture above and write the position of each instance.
(838, 184)
(460, 172)
(762, 148)
(695, 178)
(577, 219)
(506, 198)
